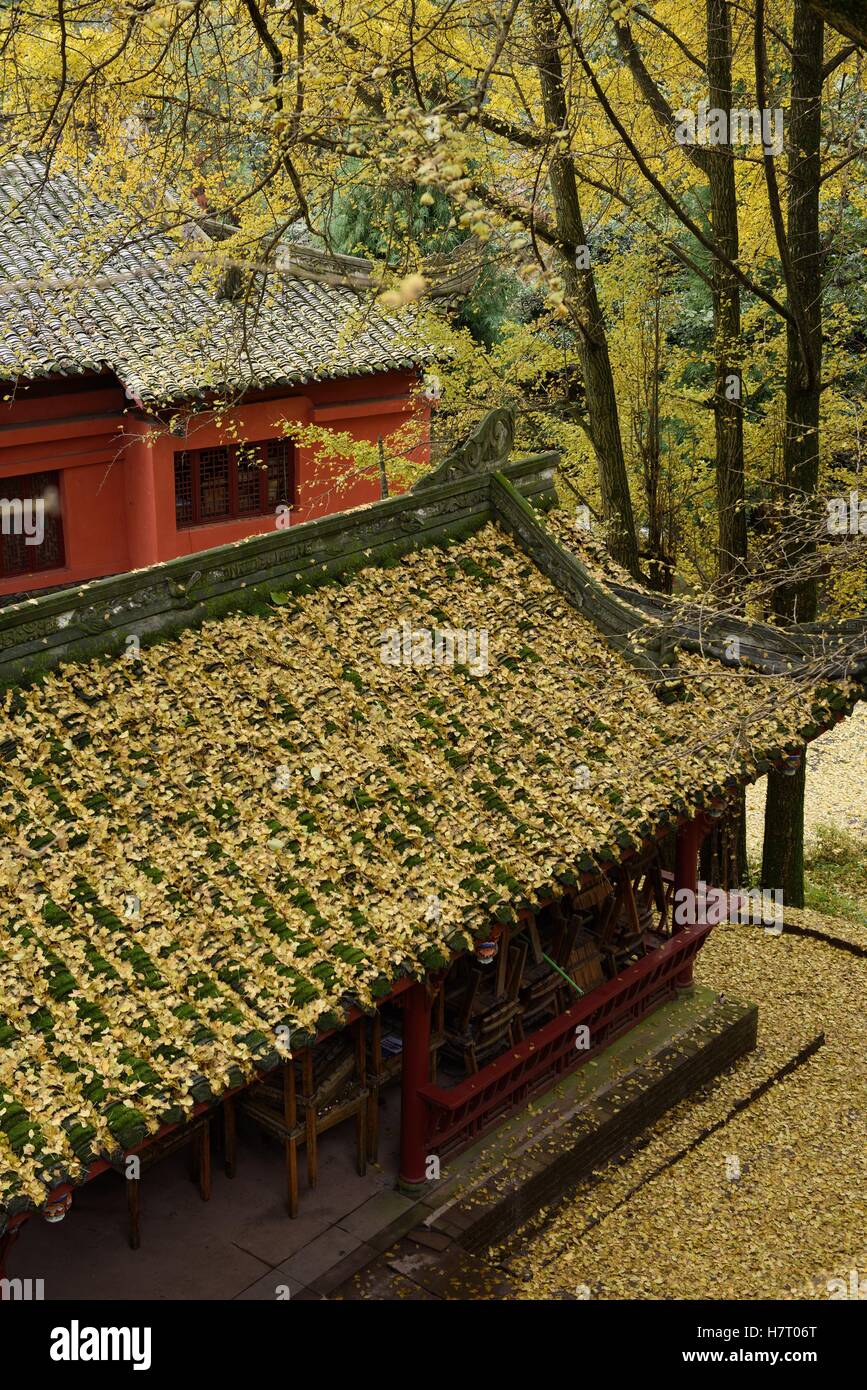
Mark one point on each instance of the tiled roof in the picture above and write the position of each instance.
(261, 820)
(83, 288)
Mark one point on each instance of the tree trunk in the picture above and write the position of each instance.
(798, 601)
(728, 381)
(656, 557)
(783, 853)
(716, 162)
(603, 420)
(728, 402)
(783, 857)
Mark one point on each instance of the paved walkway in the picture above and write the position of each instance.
(836, 777)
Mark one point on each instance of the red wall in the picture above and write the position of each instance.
(80, 433)
(117, 468)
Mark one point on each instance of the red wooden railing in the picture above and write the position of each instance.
(459, 1115)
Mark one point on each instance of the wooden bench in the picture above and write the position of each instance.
(272, 1105)
(197, 1133)
(333, 1088)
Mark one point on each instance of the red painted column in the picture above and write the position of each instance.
(689, 838)
(688, 843)
(141, 505)
(415, 1071)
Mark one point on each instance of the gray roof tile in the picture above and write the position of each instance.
(105, 297)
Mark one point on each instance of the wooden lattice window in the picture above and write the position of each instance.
(214, 487)
(233, 481)
(249, 465)
(31, 529)
(279, 475)
(184, 511)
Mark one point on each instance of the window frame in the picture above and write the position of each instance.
(50, 477)
(234, 513)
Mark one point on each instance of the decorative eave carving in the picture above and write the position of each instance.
(486, 449)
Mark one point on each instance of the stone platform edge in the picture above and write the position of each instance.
(604, 1127)
(440, 1246)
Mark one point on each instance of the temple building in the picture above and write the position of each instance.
(403, 796)
(144, 408)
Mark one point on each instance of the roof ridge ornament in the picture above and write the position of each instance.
(485, 450)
